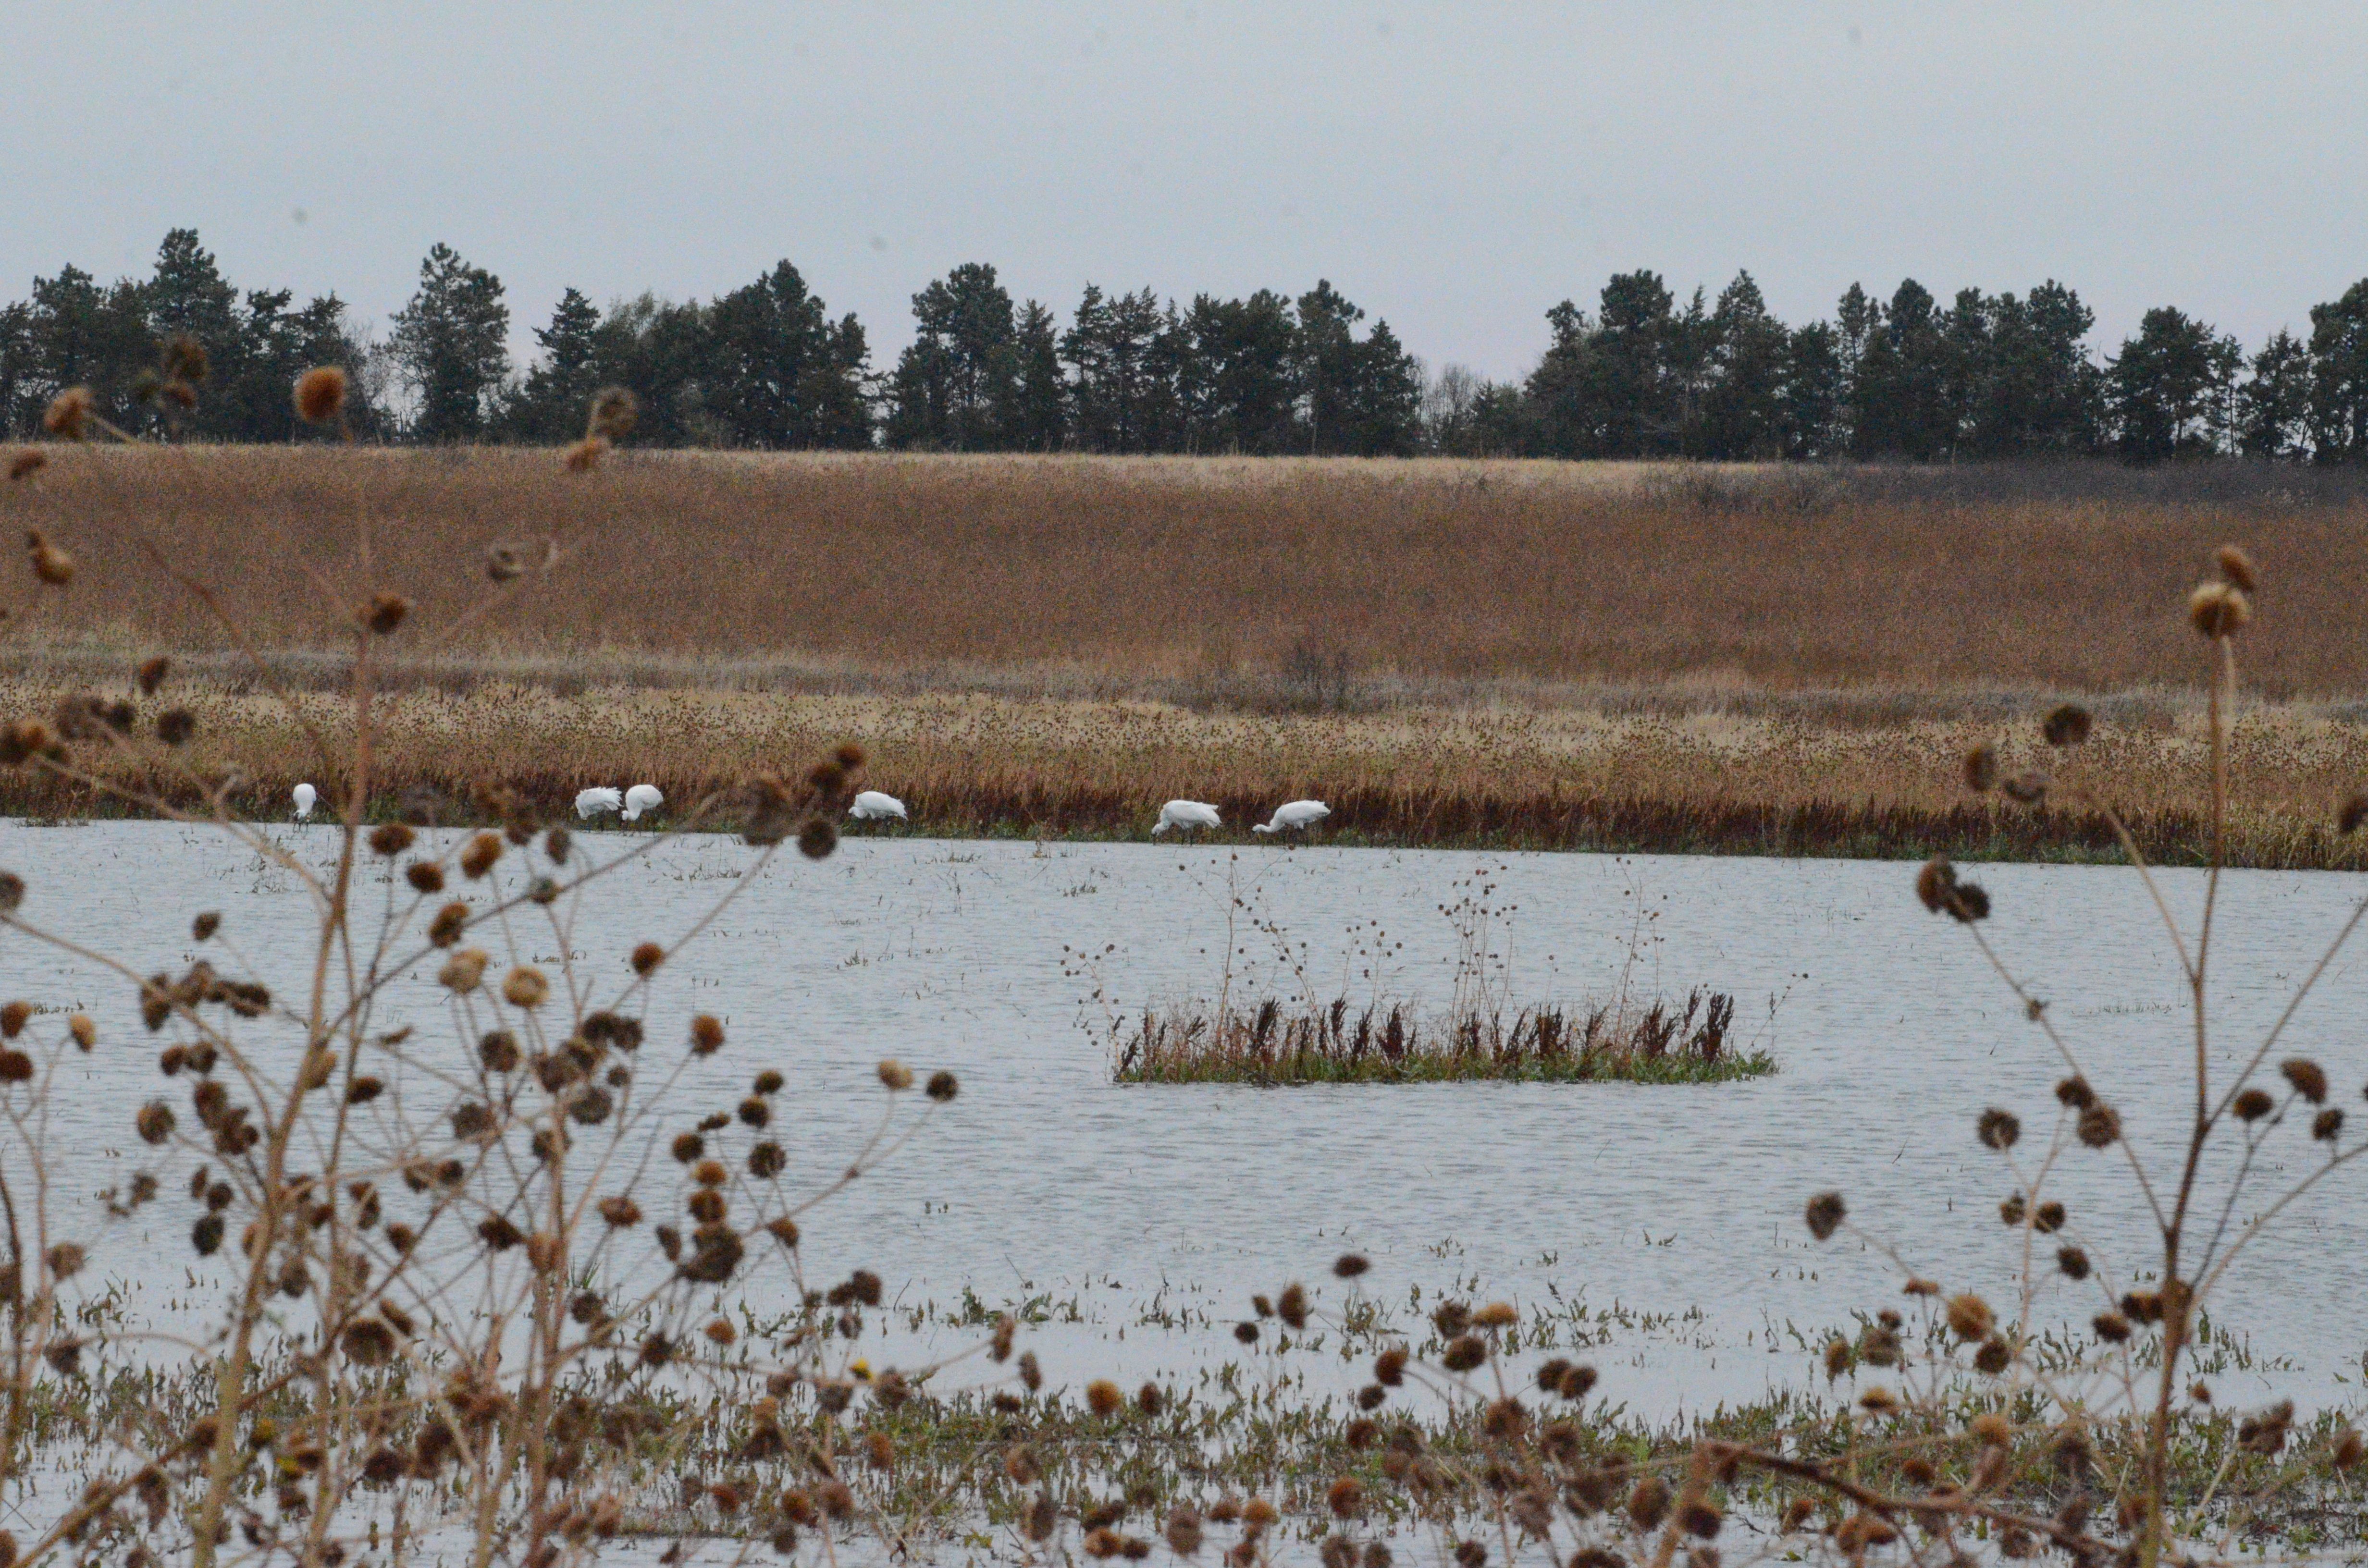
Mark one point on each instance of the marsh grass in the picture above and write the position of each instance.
(1656, 1043)
(1212, 570)
(1801, 778)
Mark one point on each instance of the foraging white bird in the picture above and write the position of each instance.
(872, 803)
(1186, 813)
(642, 798)
(1297, 815)
(593, 801)
(305, 797)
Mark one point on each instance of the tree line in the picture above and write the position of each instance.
(1643, 374)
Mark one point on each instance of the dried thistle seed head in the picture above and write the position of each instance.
(2236, 568)
(1292, 1305)
(2028, 787)
(817, 838)
(154, 1122)
(688, 1146)
(1981, 768)
(2112, 1328)
(1998, 1128)
(646, 958)
(2075, 1092)
(1496, 1315)
(526, 987)
(2310, 1079)
(499, 1052)
(1463, 1353)
(1345, 1497)
(1825, 1214)
(391, 839)
(767, 1160)
(425, 876)
(2254, 1104)
(68, 415)
(465, 971)
(2014, 1210)
(2067, 726)
(176, 726)
(614, 411)
(2328, 1125)
(706, 1035)
(14, 1016)
(2219, 609)
(51, 565)
(769, 1082)
(2100, 1126)
(320, 394)
(1970, 1316)
(26, 465)
(450, 922)
(1103, 1398)
(12, 893)
(1348, 1265)
(709, 1173)
(895, 1076)
(942, 1087)
(152, 674)
(2048, 1218)
(2353, 813)
(384, 613)
(478, 858)
(621, 1212)
(184, 359)
(1935, 879)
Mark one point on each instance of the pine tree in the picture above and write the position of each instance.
(453, 344)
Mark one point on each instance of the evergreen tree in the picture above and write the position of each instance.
(552, 403)
(2274, 404)
(16, 375)
(957, 378)
(453, 344)
(2170, 388)
(1742, 413)
(1122, 386)
(83, 335)
(1899, 389)
(781, 370)
(661, 352)
(1234, 374)
(1812, 394)
(1038, 417)
(186, 294)
(2339, 361)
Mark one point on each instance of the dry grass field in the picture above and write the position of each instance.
(1603, 655)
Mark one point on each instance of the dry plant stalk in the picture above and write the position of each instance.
(473, 1250)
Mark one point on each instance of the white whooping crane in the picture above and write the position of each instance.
(306, 796)
(1186, 813)
(872, 803)
(593, 801)
(1297, 815)
(642, 798)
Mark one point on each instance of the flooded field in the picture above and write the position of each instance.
(1661, 1226)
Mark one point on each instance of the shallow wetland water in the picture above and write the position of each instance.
(1671, 1215)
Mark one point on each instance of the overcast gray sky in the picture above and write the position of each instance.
(1455, 168)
